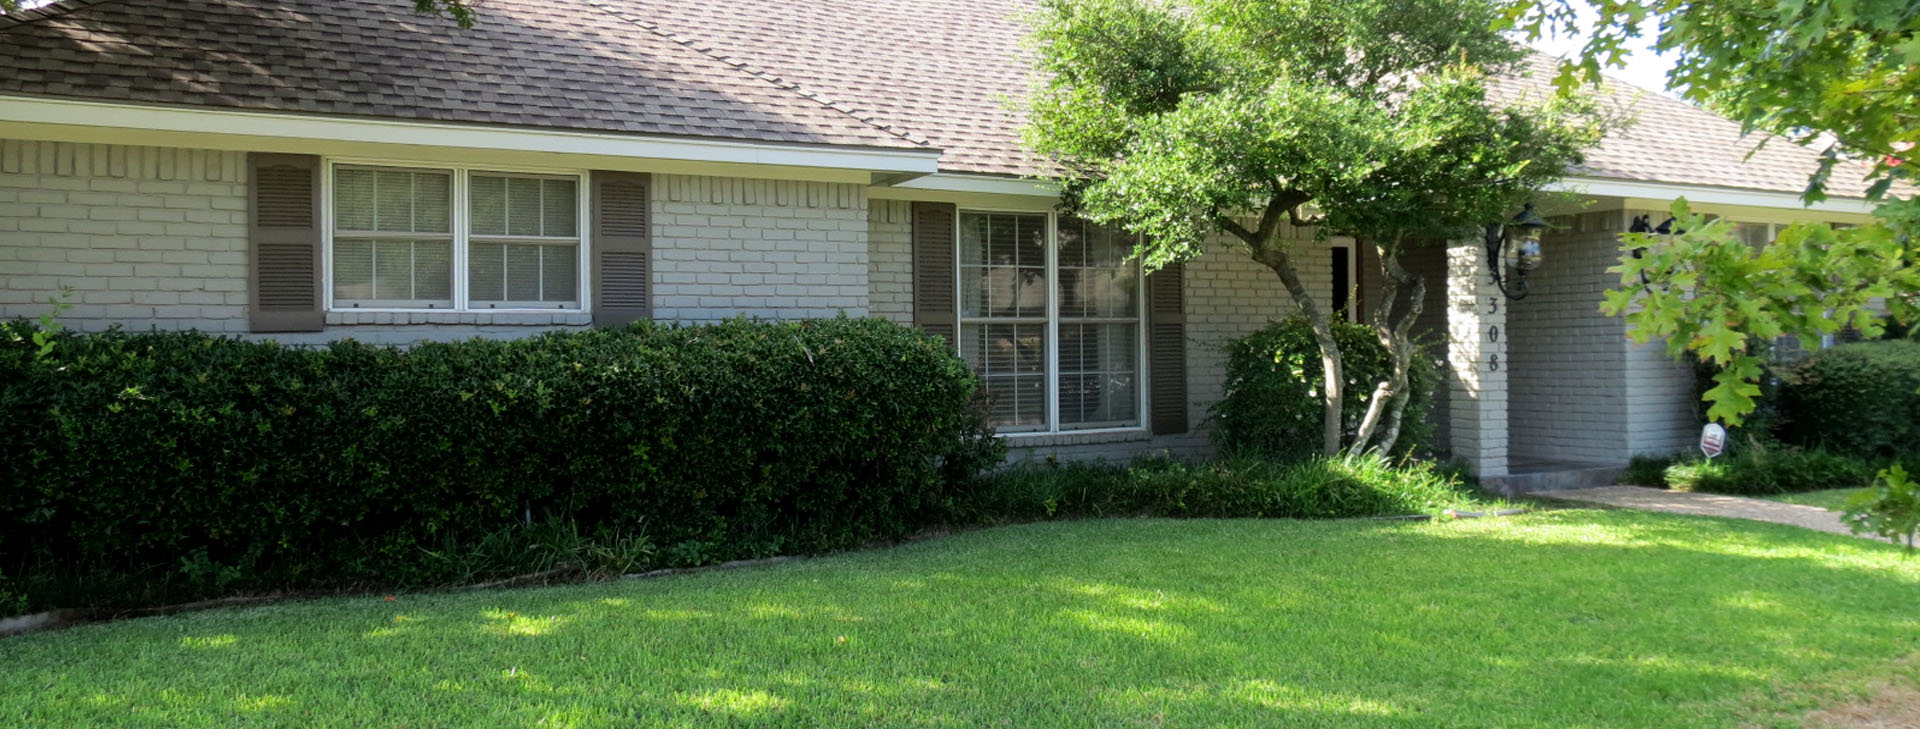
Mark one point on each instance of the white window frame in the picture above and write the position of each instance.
(462, 212)
(1052, 362)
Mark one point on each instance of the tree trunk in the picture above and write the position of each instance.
(1332, 367)
(1401, 346)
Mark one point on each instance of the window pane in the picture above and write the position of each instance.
(523, 206)
(1099, 375)
(487, 264)
(1003, 265)
(559, 208)
(393, 273)
(1095, 278)
(353, 200)
(432, 203)
(560, 270)
(523, 273)
(489, 201)
(433, 271)
(1010, 359)
(352, 269)
(392, 201)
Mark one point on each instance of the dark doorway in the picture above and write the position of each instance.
(1342, 281)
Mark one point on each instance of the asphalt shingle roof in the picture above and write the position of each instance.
(880, 73)
(541, 63)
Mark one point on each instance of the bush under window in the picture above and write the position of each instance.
(144, 468)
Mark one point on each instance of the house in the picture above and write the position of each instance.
(306, 171)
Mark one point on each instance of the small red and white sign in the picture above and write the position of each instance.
(1713, 439)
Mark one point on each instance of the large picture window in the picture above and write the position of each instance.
(1050, 317)
(450, 239)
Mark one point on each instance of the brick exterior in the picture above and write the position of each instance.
(1662, 404)
(146, 237)
(890, 260)
(156, 238)
(725, 247)
(1477, 362)
(1568, 385)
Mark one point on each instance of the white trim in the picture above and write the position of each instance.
(980, 184)
(460, 210)
(985, 184)
(288, 126)
(1602, 187)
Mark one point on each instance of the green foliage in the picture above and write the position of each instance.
(1171, 118)
(1272, 405)
(1861, 398)
(1710, 294)
(1767, 471)
(1646, 470)
(1235, 487)
(1564, 618)
(1890, 509)
(1839, 74)
(166, 466)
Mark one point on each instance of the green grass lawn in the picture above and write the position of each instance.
(1831, 499)
(1574, 618)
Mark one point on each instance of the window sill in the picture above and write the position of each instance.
(1030, 440)
(472, 318)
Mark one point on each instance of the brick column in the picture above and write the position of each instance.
(1477, 358)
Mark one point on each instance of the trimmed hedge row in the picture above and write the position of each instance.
(166, 466)
(1861, 398)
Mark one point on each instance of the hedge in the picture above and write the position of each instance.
(1271, 406)
(1862, 399)
(154, 467)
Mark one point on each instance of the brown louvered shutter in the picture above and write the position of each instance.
(284, 232)
(933, 270)
(1166, 351)
(622, 248)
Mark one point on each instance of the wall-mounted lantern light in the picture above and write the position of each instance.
(1513, 250)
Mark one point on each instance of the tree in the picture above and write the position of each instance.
(461, 11)
(1844, 77)
(1363, 118)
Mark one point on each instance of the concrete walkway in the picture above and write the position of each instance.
(1682, 502)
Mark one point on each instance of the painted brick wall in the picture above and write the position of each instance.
(890, 260)
(1568, 382)
(1662, 415)
(146, 237)
(725, 246)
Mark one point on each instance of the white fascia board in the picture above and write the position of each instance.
(283, 126)
(1601, 187)
(982, 184)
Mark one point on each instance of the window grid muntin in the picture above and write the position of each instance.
(460, 237)
(1052, 322)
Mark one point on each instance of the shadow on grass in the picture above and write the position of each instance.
(1576, 618)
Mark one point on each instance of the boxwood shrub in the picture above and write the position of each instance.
(142, 468)
(1271, 406)
(1861, 399)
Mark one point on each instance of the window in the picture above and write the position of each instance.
(1050, 318)
(450, 239)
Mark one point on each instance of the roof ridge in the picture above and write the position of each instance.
(53, 9)
(709, 50)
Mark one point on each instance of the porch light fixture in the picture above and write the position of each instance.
(1513, 250)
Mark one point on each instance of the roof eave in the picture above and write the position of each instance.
(54, 119)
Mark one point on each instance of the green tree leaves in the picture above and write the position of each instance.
(1708, 292)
